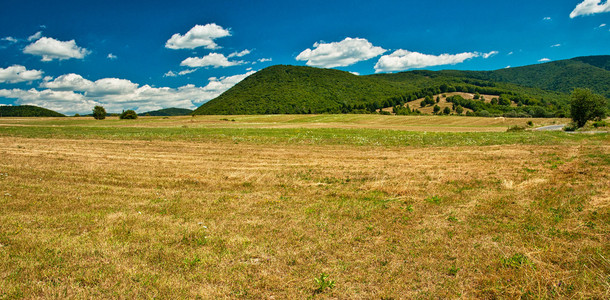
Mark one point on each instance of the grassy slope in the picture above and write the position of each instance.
(146, 210)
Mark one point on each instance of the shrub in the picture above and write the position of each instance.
(598, 124)
(99, 112)
(447, 110)
(436, 109)
(128, 114)
(570, 127)
(515, 128)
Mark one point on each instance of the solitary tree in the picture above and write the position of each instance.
(436, 109)
(99, 113)
(128, 114)
(587, 106)
(447, 110)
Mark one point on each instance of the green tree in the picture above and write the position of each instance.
(128, 114)
(459, 110)
(447, 110)
(436, 109)
(99, 112)
(587, 106)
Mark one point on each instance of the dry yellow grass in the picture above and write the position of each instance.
(87, 218)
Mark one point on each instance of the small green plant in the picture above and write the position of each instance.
(530, 123)
(323, 283)
(453, 270)
(516, 261)
(434, 200)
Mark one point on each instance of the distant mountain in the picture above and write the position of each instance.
(563, 76)
(27, 111)
(541, 89)
(173, 111)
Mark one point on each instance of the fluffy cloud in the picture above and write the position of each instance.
(262, 60)
(35, 36)
(61, 101)
(50, 48)
(401, 60)
(340, 54)
(590, 7)
(71, 93)
(111, 56)
(17, 73)
(99, 88)
(198, 36)
(215, 60)
(544, 60)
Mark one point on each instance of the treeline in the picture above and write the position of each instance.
(27, 111)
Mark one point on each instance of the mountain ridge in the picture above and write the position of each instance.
(299, 89)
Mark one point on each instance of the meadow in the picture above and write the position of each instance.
(302, 206)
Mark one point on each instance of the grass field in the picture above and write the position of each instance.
(348, 207)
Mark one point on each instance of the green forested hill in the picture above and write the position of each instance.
(27, 111)
(543, 88)
(173, 111)
(292, 89)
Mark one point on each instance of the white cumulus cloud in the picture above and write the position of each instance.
(198, 36)
(71, 93)
(401, 60)
(111, 56)
(340, 54)
(590, 7)
(544, 60)
(50, 49)
(17, 73)
(215, 60)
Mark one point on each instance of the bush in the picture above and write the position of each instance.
(128, 114)
(436, 109)
(598, 124)
(570, 127)
(515, 128)
(99, 112)
(446, 111)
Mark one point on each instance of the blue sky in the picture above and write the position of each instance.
(145, 55)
